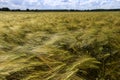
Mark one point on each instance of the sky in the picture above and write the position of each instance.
(60, 4)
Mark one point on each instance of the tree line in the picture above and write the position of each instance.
(57, 10)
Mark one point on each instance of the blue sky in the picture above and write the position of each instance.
(60, 4)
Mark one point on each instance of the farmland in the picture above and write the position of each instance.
(59, 45)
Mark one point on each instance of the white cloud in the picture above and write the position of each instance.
(31, 1)
(60, 4)
(4, 0)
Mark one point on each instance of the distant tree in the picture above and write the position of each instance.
(27, 10)
(36, 10)
(17, 10)
(5, 9)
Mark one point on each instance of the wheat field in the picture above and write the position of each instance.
(59, 45)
